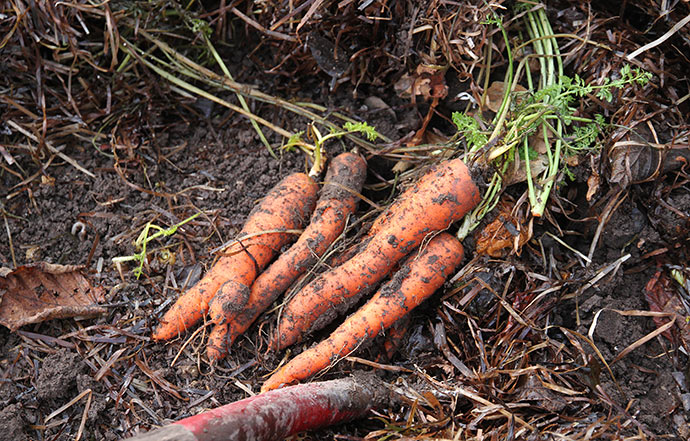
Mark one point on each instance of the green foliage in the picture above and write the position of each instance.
(494, 19)
(585, 136)
(297, 140)
(198, 25)
(142, 241)
(363, 128)
(549, 110)
(568, 173)
(531, 154)
(293, 141)
(469, 127)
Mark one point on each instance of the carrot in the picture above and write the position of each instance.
(442, 196)
(226, 285)
(420, 276)
(343, 181)
(279, 414)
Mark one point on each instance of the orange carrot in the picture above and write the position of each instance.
(442, 196)
(226, 285)
(344, 180)
(420, 276)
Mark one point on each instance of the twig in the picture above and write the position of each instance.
(9, 237)
(661, 39)
(31, 136)
(375, 365)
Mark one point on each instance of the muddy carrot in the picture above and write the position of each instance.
(442, 196)
(417, 279)
(226, 285)
(343, 181)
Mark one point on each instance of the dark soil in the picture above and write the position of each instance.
(225, 179)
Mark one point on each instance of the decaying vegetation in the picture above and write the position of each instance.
(568, 318)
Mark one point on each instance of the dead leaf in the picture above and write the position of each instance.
(504, 233)
(593, 181)
(632, 162)
(375, 103)
(661, 293)
(428, 81)
(43, 291)
(518, 171)
(494, 95)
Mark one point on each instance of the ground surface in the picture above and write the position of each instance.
(219, 166)
(224, 179)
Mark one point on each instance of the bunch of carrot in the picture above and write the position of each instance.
(236, 291)
(442, 196)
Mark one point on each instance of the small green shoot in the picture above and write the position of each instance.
(316, 149)
(143, 240)
(363, 128)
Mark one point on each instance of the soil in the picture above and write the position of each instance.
(225, 179)
(194, 165)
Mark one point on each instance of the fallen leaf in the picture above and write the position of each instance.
(375, 103)
(38, 292)
(494, 95)
(593, 181)
(661, 293)
(428, 81)
(518, 171)
(504, 233)
(632, 162)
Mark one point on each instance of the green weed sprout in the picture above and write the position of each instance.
(143, 239)
(316, 149)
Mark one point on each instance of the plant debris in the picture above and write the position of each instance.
(43, 291)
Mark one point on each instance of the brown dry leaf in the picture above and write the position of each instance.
(518, 172)
(43, 291)
(428, 81)
(593, 182)
(632, 162)
(592, 185)
(661, 293)
(494, 95)
(503, 234)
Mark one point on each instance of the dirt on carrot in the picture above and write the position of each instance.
(442, 196)
(226, 286)
(339, 196)
(421, 276)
